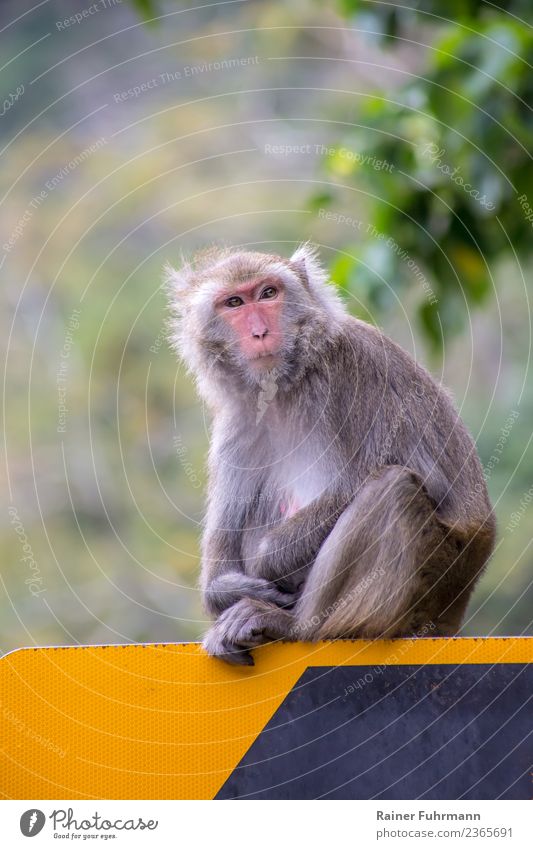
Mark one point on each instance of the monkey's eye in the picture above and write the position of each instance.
(233, 302)
(269, 292)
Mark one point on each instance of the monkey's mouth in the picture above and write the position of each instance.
(266, 359)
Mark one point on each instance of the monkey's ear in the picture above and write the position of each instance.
(176, 282)
(307, 263)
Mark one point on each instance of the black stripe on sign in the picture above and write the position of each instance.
(396, 732)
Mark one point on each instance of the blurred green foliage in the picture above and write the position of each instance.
(112, 507)
(456, 140)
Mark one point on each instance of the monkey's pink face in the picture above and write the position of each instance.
(253, 312)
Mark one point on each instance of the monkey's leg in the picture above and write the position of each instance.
(471, 548)
(247, 624)
(228, 588)
(380, 571)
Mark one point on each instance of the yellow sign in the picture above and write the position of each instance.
(166, 721)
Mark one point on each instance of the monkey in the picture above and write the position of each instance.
(346, 498)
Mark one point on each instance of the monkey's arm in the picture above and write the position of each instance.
(231, 587)
(223, 580)
(288, 550)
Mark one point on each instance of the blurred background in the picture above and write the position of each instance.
(396, 139)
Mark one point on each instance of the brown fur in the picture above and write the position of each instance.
(393, 524)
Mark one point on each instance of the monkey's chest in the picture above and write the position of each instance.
(299, 483)
(291, 486)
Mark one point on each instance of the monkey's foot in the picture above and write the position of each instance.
(240, 628)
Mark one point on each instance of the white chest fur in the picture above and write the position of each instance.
(302, 476)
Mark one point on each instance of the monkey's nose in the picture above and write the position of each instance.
(260, 334)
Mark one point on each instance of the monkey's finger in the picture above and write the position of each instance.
(286, 600)
(249, 638)
(235, 654)
(216, 646)
(290, 588)
(239, 657)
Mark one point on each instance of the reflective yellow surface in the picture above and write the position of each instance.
(166, 721)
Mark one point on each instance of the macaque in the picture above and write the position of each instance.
(346, 498)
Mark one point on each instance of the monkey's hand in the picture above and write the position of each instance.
(228, 588)
(239, 629)
(248, 624)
